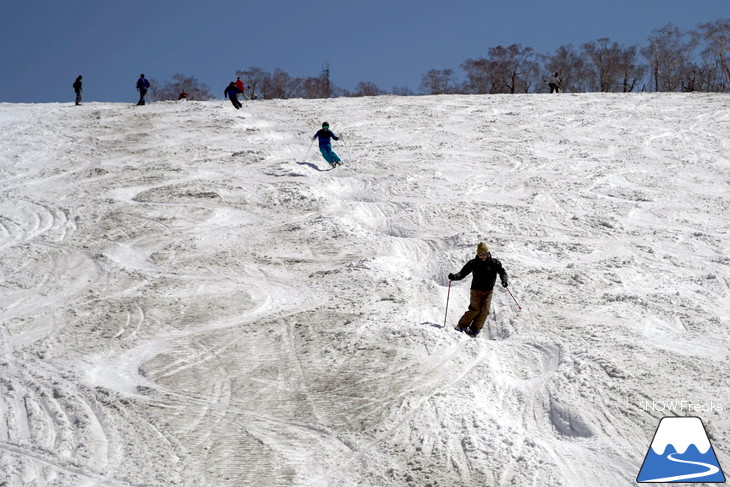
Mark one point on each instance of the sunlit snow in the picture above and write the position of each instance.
(190, 297)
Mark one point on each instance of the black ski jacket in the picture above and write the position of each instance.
(485, 273)
(232, 91)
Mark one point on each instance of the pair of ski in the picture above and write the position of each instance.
(466, 331)
(335, 164)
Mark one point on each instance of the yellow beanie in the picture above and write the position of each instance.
(482, 248)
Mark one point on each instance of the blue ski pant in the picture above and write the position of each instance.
(328, 154)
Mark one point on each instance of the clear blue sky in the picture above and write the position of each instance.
(45, 44)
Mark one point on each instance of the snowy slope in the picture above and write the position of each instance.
(189, 297)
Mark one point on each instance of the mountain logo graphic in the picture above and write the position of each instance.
(681, 452)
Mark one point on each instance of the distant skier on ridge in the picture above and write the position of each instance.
(325, 146)
(142, 86)
(232, 92)
(554, 83)
(485, 269)
(77, 88)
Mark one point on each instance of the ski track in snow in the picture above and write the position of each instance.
(191, 297)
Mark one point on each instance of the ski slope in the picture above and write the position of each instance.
(190, 297)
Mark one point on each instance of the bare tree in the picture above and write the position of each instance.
(514, 67)
(572, 67)
(603, 59)
(613, 66)
(281, 85)
(401, 91)
(715, 37)
(255, 79)
(366, 88)
(438, 82)
(479, 78)
(631, 70)
(316, 87)
(511, 69)
(669, 55)
(170, 90)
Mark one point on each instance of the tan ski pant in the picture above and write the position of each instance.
(479, 305)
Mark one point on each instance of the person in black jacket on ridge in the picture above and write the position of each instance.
(485, 269)
(142, 86)
(77, 88)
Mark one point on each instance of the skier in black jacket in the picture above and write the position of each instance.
(142, 86)
(77, 88)
(485, 269)
(232, 92)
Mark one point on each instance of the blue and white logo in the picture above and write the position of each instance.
(681, 452)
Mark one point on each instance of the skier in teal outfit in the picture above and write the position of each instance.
(325, 146)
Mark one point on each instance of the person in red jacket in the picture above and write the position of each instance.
(239, 84)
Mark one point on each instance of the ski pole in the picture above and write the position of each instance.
(513, 297)
(448, 295)
(347, 149)
(310, 148)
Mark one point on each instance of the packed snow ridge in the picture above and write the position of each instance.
(189, 295)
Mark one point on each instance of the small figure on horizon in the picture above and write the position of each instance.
(485, 269)
(231, 92)
(142, 86)
(325, 145)
(554, 83)
(183, 95)
(77, 89)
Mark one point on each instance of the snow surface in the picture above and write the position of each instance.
(190, 297)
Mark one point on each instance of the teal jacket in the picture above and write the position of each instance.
(324, 137)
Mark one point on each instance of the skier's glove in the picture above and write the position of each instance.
(504, 284)
(452, 277)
